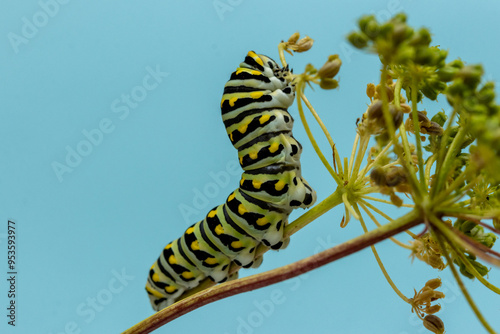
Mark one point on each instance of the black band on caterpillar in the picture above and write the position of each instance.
(254, 110)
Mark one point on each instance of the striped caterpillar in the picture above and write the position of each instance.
(254, 110)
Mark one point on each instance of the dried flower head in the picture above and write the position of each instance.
(426, 249)
(421, 301)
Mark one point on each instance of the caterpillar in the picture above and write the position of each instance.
(254, 111)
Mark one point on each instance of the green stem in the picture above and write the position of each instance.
(462, 286)
(397, 92)
(407, 163)
(416, 129)
(319, 209)
(336, 156)
(473, 270)
(359, 157)
(442, 166)
(311, 137)
(379, 156)
(428, 166)
(385, 105)
(351, 159)
(379, 261)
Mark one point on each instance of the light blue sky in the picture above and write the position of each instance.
(142, 81)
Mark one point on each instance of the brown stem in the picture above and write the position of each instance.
(274, 276)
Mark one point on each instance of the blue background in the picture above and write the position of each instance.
(120, 204)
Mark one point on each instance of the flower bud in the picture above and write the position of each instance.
(331, 67)
(364, 21)
(377, 175)
(447, 73)
(401, 32)
(440, 118)
(421, 38)
(294, 38)
(399, 17)
(389, 92)
(434, 129)
(471, 75)
(370, 90)
(304, 44)
(358, 40)
(433, 283)
(405, 108)
(327, 83)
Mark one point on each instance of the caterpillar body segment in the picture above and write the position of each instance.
(254, 111)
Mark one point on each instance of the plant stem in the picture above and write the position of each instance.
(325, 130)
(311, 137)
(473, 270)
(416, 129)
(319, 209)
(379, 156)
(274, 276)
(386, 201)
(318, 119)
(462, 286)
(379, 261)
(353, 153)
(359, 157)
(372, 217)
(384, 215)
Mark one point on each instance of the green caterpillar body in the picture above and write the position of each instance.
(254, 110)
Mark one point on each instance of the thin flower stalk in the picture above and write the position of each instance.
(379, 261)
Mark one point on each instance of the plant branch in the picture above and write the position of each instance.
(250, 283)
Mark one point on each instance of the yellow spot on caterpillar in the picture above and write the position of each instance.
(274, 147)
(241, 160)
(231, 197)
(256, 58)
(256, 184)
(279, 185)
(247, 70)
(187, 275)
(254, 155)
(190, 230)
(172, 260)
(211, 260)
(243, 128)
(168, 246)
(236, 244)
(256, 95)
(219, 229)
(170, 289)
(242, 181)
(262, 221)
(212, 214)
(195, 245)
(241, 209)
(154, 292)
(231, 136)
(264, 118)
(156, 277)
(232, 101)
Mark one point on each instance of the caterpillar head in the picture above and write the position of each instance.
(267, 66)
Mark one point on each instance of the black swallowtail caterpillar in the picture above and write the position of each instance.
(254, 111)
